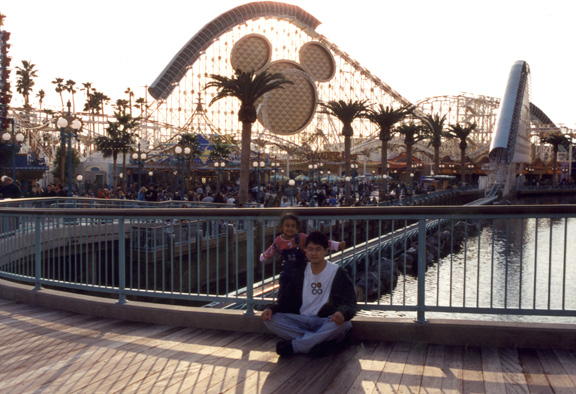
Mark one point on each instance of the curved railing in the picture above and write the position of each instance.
(211, 255)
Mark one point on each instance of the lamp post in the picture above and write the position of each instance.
(347, 179)
(79, 179)
(257, 166)
(412, 180)
(291, 182)
(275, 167)
(68, 125)
(385, 180)
(150, 174)
(14, 145)
(219, 166)
(354, 172)
(181, 152)
(139, 158)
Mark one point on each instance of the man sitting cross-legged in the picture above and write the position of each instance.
(314, 307)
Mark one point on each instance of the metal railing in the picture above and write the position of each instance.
(477, 260)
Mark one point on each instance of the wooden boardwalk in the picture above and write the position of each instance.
(47, 351)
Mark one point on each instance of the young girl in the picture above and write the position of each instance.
(290, 244)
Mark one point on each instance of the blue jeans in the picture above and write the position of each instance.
(306, 331)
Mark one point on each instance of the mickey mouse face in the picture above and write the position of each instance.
(291, 109)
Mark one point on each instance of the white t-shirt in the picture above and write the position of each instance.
(316, 290)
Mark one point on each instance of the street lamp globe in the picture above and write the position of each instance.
(187, 150)
(76, 124)
(79, 178)
(62, 123)
(135, 156)
(6, 136)
(150, 173)
(178, 150)
(262, 164)
(255, 164)
(222, 164)
(19, 137)
(291, 182)
(216, 164)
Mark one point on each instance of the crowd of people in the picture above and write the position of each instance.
(270, 194)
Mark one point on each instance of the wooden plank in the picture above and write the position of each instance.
(512, 371)
(452, 369)
(412, 377)
(350, 372)
(118, 350)
(222, 364)
(492, 371)
(130, 367)
(41, 365)
(273, 376)
(558, 377)
(372, 367)
(433, 373)
(534, 372)
(233, 377)
(472, 377)
(568, 360)
(326, 375)
(391, 375)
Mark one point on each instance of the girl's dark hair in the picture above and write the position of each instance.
(317, 238)
(289, 216)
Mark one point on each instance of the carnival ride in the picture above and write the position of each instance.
(282, 38)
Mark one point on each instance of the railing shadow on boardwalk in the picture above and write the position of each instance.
(53, 351)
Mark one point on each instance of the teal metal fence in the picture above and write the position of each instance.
(476, 260)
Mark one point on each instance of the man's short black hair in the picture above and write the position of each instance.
(318, 238)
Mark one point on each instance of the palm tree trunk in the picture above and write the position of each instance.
(114, 162)
(347, 148)
(124, 173)
(243, 194)
(437, 160)
(384, 158)
(408, 162)
(462, 166)
(554, 166)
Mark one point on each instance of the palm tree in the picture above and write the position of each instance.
(367, 152)
(95, 103)
(25, 80)
(140, 103)
(412, 134)
(70, 88)
(555, 140)
(247, 87)
(130, 94)
(386, 118)
(221, 148)
(41, 95)
(462, 133)
(190, 140)
(60, 87)
(346, 112)
(434, 128)
(119, 139)
(291, 150)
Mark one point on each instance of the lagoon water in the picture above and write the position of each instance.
(509, 264)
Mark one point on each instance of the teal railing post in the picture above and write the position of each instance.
(250, 267)
(121, 262)
(421, 306)
(38, 254)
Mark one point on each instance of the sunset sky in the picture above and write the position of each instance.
(421, 48)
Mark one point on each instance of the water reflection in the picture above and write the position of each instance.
(510, 264)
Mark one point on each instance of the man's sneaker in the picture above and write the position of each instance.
(284, 348)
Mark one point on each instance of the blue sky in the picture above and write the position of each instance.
(420, 48)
